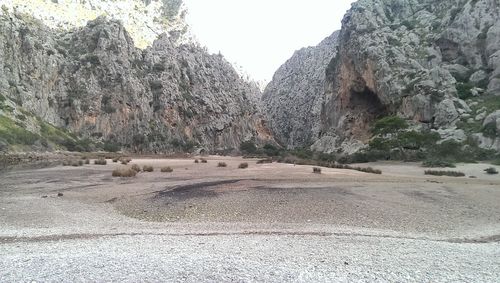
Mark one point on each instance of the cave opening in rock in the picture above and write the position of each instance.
(367, 102)
(366, 107)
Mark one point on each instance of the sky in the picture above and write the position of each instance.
(260, 35)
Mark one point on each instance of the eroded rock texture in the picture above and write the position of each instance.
(420, 59)
(96, 83)
(293, 99)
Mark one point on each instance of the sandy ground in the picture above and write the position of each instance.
(270, 222)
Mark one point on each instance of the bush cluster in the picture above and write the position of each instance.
(491, 171)
(136, 168)
(74, 163)
(438, 163)
(444, 173)
(167, 169)
(264, 161)
(125, 160)
(124, 172)
(147, 168)
(100, 161)
(326, 164)
(221, 164)
(243, 165)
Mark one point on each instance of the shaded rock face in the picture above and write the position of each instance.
(408, 58)
(96, 83)
(292, 100)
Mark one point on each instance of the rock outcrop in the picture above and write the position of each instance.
(94, 82)
(427, 61)
(292, 100)
(144, 20)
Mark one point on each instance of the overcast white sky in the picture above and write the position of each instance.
(260, 35)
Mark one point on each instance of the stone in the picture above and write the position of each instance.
(446, 113)
(97, 84)
(293, 99)
(478, 76)
(494, 86)
(493, 118)
(452, 134)
(486, 142)
(480, 116)
(406, 58)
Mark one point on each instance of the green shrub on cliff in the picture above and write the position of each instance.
(14, 134)
(389, 125)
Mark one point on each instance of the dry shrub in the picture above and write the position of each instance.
(444, 173)
(361, 169)
(196, 161)
(148, 168)
(203, 160)
(491, 171)
(167, 169)
(222, 164)
(243, 165)
(264, 161)
(124, 172)
(317, 170)
(100, 161)
(125, 160)
(74, 163)
(136, 168)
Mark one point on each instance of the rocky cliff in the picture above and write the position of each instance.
(293, 99)
(435, 63)
(144, 20)
(94, 82)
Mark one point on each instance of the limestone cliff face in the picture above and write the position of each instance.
(293, 99)
(143, 19)
(96, 83)
(435, 63)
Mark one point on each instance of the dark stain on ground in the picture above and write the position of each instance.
(112, 200)
(422, 196)
(53, 238)
(197, 190)
(333, 190)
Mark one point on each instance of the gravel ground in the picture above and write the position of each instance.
(263, 258)
(271, 222)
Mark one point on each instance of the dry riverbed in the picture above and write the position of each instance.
(270, 222)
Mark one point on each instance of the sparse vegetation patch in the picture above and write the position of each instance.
(264, 161)
(100, 161)
(491, 171)
(148, 168)
(438, 163)
(444, 173)
(124, 172)
(167, 169)
(136, 168)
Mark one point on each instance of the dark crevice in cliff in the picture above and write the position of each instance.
(367, 103)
